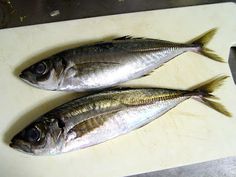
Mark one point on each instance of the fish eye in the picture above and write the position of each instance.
(32, 134)
(41, 68)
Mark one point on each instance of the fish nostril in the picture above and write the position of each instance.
(27, 77)
(22, 75)
(18, 136)
(14, 139)
(11, 144)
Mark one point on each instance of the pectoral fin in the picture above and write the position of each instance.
(90, 124)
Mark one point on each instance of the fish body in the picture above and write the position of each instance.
(125, 116)
(94, 119)
(106, 64)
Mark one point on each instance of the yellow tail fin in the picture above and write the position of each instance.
(205, 96)
(202, 41)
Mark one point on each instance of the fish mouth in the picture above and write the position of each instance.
(23, 76)
(20, 146)
(27, 78)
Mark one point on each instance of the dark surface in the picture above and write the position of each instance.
(232, 62)
(15, 13)
(217, 168)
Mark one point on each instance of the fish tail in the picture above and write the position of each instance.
(202, 41)
(204, 95)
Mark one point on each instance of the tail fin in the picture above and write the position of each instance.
(205, 95)
(202, 41)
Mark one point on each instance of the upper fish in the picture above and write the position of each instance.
(106, 64)
(99, 117)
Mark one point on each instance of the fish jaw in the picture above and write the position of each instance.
(20, 146)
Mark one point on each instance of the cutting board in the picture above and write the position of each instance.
(187, 134)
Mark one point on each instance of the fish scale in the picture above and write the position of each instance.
(146, 98)
(130, 118)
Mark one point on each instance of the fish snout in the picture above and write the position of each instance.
(22, 75)
(20, 145)
(28, 77)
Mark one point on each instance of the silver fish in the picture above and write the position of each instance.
(106, 64)
(94, 119)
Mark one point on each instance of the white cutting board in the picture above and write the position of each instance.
(189, 133)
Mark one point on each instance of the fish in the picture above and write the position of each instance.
(107, 64)
(99, 117)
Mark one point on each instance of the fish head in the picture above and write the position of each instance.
(42, 137)
(45, 74)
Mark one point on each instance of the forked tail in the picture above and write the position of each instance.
(204, 95)
(202, 41)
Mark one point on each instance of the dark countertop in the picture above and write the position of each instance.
(15, 13)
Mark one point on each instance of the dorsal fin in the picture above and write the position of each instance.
(123, 38)
(127, 37)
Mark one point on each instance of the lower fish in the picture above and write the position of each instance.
(96, 118)
(106, 64)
